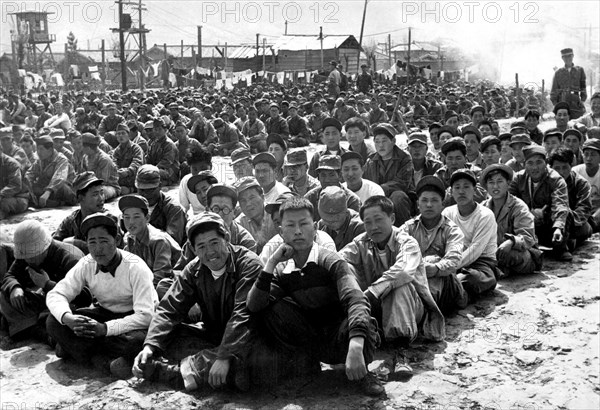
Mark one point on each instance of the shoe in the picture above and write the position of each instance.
(60, 352)
(165, 373)
(402, 369)
(121, 368)
(566, 256)
(371, 385)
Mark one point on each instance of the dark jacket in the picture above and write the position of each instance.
(580, 201)
(352, 227)
(170, 217)
(397, 175)
(224, 313)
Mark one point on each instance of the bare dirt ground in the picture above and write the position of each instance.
(531, 344)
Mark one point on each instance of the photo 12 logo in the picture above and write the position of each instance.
(469, 12)
(60, 11)
(269, 12)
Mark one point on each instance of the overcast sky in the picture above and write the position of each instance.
(479, 26)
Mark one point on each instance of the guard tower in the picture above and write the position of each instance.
(31, 41)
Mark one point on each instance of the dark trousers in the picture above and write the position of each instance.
(545, 231)
(82, 349)
(478, 277)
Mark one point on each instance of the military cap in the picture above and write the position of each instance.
(122, 127)
(330, 162)
(218, 123)
(276, 139)
(434, 125)
(552, 132)
(573, 131)
(519, 129)
(469, 129)
(566, 52)
(463, 173)
(147, 177)
(202, 219)
(363, 65)
(385, 129)
(6, 132)
(239, 155)
(143, 106)
(274, 105)
(431, 183)
(148, 125)
(488, 141)
(133, 201)
(202, 176)
(222, 190)
(264, 157)
(505, 169)
(111, 106)
(98, 219)
(454, 144)
(476, 108)
(43, 140)
(448, 129)
(333, 63)
(293, 105)
(246, 183)
(174, 105)
(592, 143)
(333, 200)
(40, 106)
(532, 113)
(332, 122)
(91, 139)
(531, 150)
(348, 155)
(418, 137)
(159, 122)
(449, 114)
(57, 134)
(561, 106)
(505, 136)
(273, 207)
(520, 139)
(85, 179)
(295, 157)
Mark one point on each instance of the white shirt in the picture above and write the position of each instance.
(187, 198)
(277, 190)
(131, 289)
(594, 184)
(367, 190)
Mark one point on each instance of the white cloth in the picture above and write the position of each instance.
(131, 289)
(187, 198)
(274, 192)
(367, 190)
(480, 231)
(594, 183)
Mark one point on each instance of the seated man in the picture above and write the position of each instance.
(165, 214)
(218, 280)
(579, 190)
(321, 238)
(198, 161)
(422, 163)
(185, 145)
(222, 200)
(101, 164)
(157, 248)
(490, 150)
(548, 202)
(295, 170)
(310, 302)
(553, 139)
(339, 222)
(390, 271)
(329, 174)
(299, 132)
(128, 156)
(254, 131)
(441, 244)
(39, 263)
(199, 185)
(352, 173)
(90, 195)
(392, 169)
(332, 134)
(517, 244)
(265, 167)
(241, 162)
(277, 147)
(110, 333)
(163, 154)
(13, 196)
(254, 218)
(517, 143)
(356, 132)
(49, 180)
(228, 138)
(477, 267)
(589, 170)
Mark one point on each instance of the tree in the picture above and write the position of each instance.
(370, 51)
(71, 42)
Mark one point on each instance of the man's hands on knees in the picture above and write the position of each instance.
(141, 359)
(356, 368)
(217, 377)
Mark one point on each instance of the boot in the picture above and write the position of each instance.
(165, 373)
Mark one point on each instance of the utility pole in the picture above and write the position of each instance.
(142, 53)
(264, 65)
(122, 48)
(362, 29)
(321, 38)
(103, 72)
(408, 58)
(199, 62)
(257, 50)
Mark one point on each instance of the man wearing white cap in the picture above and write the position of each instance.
(39, 263)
